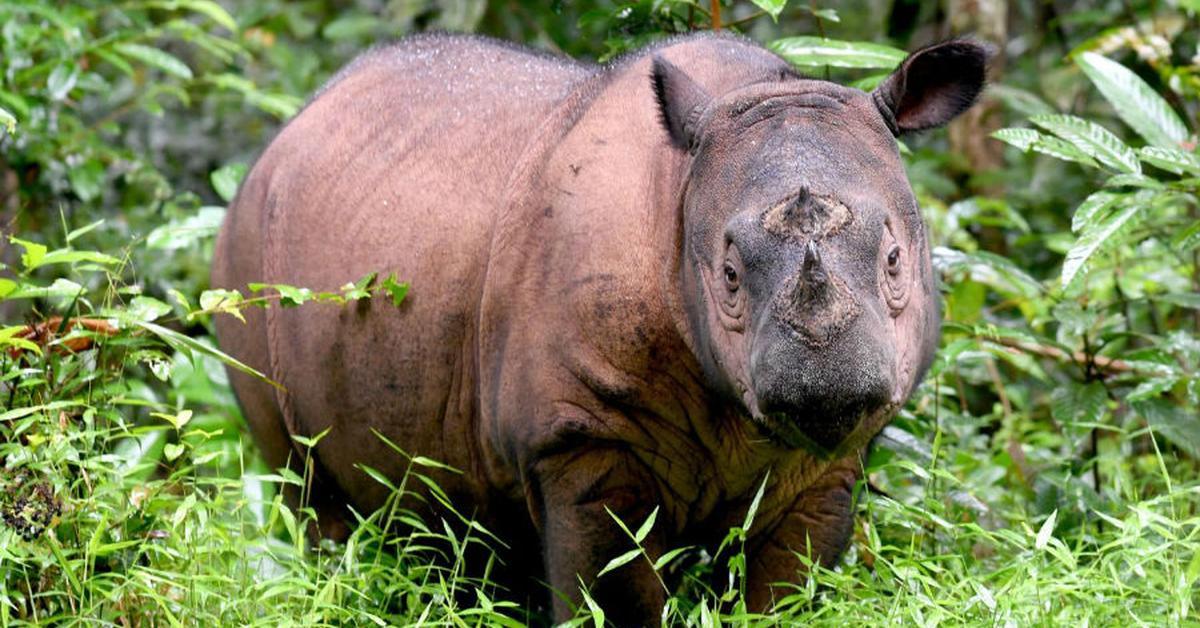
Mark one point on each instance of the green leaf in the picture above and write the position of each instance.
(222, 301)
(397, 290)
(1046, 531)
(354, 25)
(147, 308)
(646, 526)
(291, 296)
(76, 233)
(87, 179)
(62, 80)
(60, 288)
(1079, 404)
(1176, 424)
(666, 558)
(1092, 139)
(1171, 160)
(989, 269)
(1187, 239)
(171, 451)
(33, 254)
(67, 256)
(155, 57)
(225, 180)
(178, 234)
(1134, 101)
(772, 7)
(8, 121)
(1023, 139)
(620, 561)
(1100, 235)
(1190, 300)
(207, 8)
(1094, 205)
(1131, 180)
(818, 51)
(1061, 149)
(187, 345)
(1023, 102)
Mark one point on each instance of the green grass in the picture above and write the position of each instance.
(165, 517)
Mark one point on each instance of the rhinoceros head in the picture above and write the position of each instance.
(807, 278)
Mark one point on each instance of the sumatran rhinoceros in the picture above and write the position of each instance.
(652, 283)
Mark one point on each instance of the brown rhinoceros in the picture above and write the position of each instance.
(650, 283)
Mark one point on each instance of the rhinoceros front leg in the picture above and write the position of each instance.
(821, 518)
(567, 500)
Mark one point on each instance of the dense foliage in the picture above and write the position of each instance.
(1046, 472)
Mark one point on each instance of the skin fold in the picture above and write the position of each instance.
(646, 284)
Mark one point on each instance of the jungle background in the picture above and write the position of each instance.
(1045, 474)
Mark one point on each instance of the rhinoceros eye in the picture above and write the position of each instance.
(732, 280)
(893, 260)
(894, 280)
(733, 299)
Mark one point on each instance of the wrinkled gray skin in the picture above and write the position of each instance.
(636, 285)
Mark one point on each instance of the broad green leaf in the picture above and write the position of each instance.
(67, 256)
(1079, 403)
(33, 254)
(1026, 103)
(181, 233)
(1094, 205)
(147, 308)
(1152, 388)
(291, 296)
(353, 25)
(1134, 101)
(1100, 235)
(1189, 300)
(1187, 239)
(868, 83)
(225, 180)
(60, 288)
(397, 290)
(1177, 424)
(8, 121)
(62, 80)
(818, 51)
(222, 301)
(1061, 149)
(1023, 139)
(207, 8)
(87, 180)
(992, 270)
(156, 57)
(772, 7)
(1171, 160)
(1092, 139)
(1133, 180)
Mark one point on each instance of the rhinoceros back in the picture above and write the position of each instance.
(399, 165)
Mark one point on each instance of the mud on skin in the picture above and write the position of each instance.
(637, 285)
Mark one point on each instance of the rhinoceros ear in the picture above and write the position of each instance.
(932, 85)
(680, 101)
